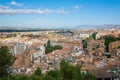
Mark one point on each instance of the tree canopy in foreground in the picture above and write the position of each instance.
(6, 60)
(66, 72)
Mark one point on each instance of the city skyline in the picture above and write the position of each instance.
(58, 13)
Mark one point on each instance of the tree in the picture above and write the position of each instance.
(54, 74)
(89, 76)
(108, 55)
(48, 43)
(84, 42)
(34, 77)
(6, 60)
(49, 48)
(20, 77)
(70, 72)
(38, 71)
(47, 78)
(66, 70)
(94, 35)
(57, 47)
(5, 78)
(108, 40)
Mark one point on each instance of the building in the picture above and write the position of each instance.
(93, 44)
(19, 48)
(108, 33)
(39, 51)
(24, 60)
(116, 33)
(27, 58)
(96, 47)
(103, 33)
(84, 35)
(114, 45)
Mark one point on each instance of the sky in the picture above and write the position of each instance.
(58, 13)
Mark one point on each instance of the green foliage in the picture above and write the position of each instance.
(6, 60)
(56, 47)
(34, 77)
(54, 74)
(91, 37)
(49, 48)
(84, 42)
(49, 43)
(20, 77)
(89, 76)
(5, 78)
(38, 71)
(70, 72)
(108, 40)
(94, 35)
(66, 72)
(93, 48)
(108, 55)
(47, 78)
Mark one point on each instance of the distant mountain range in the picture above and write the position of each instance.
(106, 26)
(16, 29)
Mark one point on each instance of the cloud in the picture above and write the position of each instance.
(4, 7)
(16, 4)
(4, 10)
(77, 7)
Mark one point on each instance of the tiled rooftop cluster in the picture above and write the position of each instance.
(29, 51)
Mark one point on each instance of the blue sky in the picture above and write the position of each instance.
(58, 13)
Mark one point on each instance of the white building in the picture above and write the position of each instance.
(84, 35)
(19, 48)
(40, 51)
